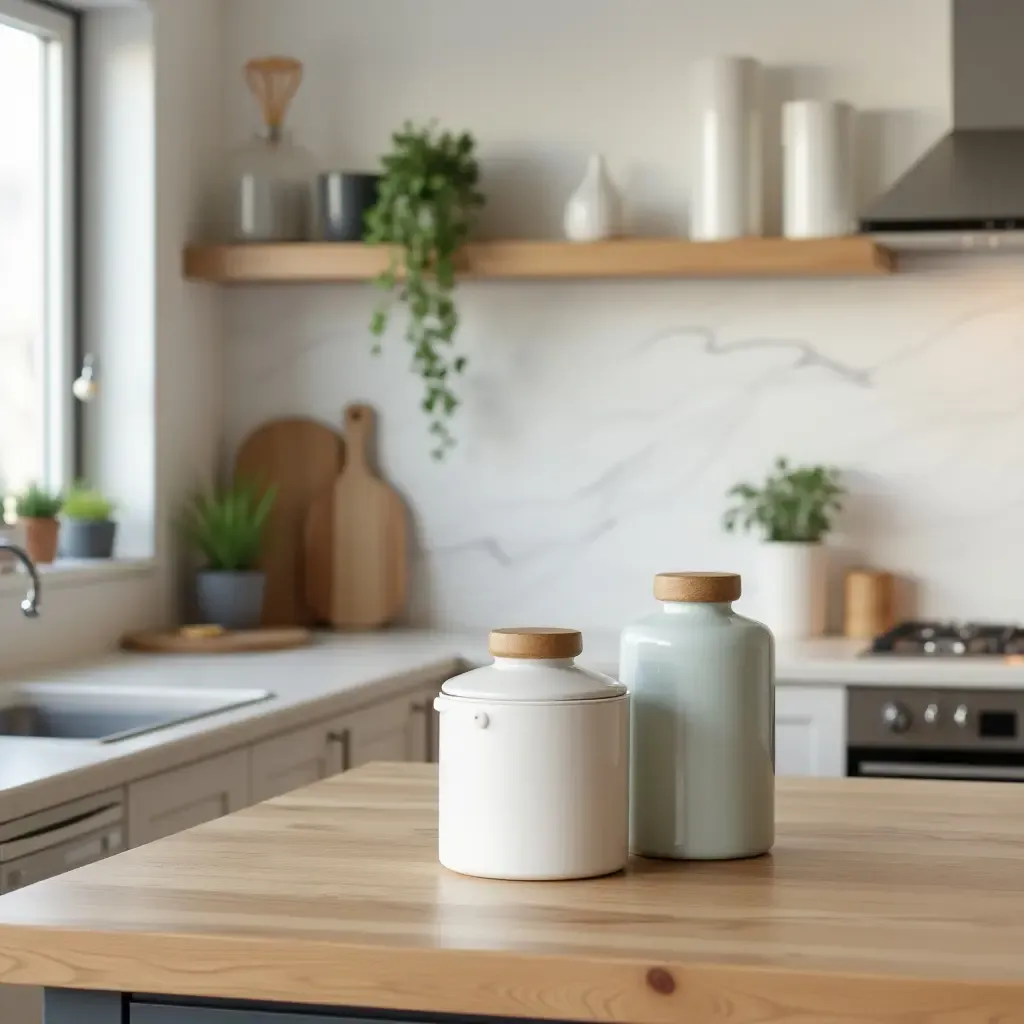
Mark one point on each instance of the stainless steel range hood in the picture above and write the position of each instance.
(969, 188)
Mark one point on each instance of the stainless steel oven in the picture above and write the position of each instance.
(935, 733)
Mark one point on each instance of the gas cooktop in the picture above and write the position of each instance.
(950, 640)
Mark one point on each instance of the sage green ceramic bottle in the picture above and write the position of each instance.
(702, 685)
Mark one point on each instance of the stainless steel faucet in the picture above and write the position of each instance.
(30, 606)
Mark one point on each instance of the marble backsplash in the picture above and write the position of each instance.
(603, 423)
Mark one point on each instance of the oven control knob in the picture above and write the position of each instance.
(895, 717)
(931, 714)
(961, 715)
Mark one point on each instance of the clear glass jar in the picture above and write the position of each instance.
(702, 752)
(269, 192)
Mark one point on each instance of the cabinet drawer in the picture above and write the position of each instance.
(174, 801)
(299, 758)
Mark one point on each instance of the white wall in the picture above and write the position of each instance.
(604, 422)
(157, 422)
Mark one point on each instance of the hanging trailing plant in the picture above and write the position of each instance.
(427, 202)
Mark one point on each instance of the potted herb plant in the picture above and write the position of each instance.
(427, 201)
(88, 528)
(37, 511)
(793, 510)
(227, 528)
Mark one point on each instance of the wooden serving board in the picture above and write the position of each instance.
(369, 537)
(319, 556)
(302, 458)
(230, 642)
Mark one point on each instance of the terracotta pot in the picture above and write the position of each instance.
(41, 539)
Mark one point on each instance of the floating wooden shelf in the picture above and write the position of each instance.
(299, 262)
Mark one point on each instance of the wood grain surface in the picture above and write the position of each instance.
(369, 542)
(852, 256)
(886, 901)
(234, 641)
(302, 458)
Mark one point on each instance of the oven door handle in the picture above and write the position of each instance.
(917, 770)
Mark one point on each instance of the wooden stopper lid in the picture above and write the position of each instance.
(535, 642)
(698, 587)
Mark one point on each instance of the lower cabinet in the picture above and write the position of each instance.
(399, 729)
(296, 759)
(810, 730)
(402, 728)
(20, 1004)
(174, 801)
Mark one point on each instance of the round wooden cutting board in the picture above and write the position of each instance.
(302, 459)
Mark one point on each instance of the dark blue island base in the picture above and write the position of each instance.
(71, 1006)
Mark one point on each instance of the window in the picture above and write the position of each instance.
(37, 245)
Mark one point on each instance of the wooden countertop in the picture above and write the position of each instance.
(885, 901)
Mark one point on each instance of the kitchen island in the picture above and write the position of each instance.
(882, 901)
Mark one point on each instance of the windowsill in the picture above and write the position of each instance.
(67, 573)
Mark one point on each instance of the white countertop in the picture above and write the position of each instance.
(339, 673)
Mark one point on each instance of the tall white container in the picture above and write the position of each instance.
(792, 589)
(818, 172)
(726, 201)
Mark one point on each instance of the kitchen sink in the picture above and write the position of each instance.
(108, 714)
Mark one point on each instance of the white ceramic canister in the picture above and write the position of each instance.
(726, 198)
(817, 140)
(701, 679)
(533, 763)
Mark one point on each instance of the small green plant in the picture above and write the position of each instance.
(227, 526)
(427, 202)
(791, 505)
(87, 504)
(37, 503)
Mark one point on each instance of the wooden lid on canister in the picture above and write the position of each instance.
(535, 642)
(697, 587)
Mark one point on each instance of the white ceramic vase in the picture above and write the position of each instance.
(594, 211)
(726, 199)
(817, 140)
(792, 586)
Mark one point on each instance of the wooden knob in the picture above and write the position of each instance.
(698, 587)
(535, 642)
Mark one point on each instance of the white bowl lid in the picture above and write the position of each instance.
(527, 681)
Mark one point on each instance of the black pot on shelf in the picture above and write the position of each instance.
(343, 199)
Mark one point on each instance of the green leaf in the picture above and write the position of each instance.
(427, 203)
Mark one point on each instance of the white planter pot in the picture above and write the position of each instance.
(726, 199)
(533, 771)
(817, 139)
(792, 588)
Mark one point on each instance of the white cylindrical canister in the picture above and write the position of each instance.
(818, 172)
(726, 199)
(534, 763)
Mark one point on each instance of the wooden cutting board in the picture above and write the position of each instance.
(302, 458)
(229, 642)
(369, 537)
(319, 554)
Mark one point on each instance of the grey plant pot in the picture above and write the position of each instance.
(81, 538)
(233, 600)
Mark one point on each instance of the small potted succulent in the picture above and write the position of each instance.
(227, 529)
(37, 510)
(793, 510)
(87, 524)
